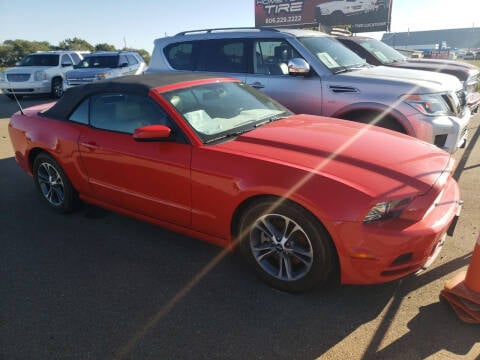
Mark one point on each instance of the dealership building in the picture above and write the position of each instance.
(466, 38)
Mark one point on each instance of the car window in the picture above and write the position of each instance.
(272, 56)
(40, 60)
(122, 60)
(125, 112)
(132, 60)
(223, 56)
(80, 115)
(381, 51)
(66, 60)
(98, 61)
(180, 56)
(75, 57)
(331, 52)
(219, 109)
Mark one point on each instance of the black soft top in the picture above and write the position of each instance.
(138, 84)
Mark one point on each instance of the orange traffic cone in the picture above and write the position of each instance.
(463, 291)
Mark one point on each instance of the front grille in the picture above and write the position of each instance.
(18, 77)
(462, 96)
(80, 81)
(457, 102)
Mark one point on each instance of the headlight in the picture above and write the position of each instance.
(428, 104)
(103, 76)
(40, 75)
(387, 210)
(472, 84)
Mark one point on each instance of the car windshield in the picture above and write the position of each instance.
(98, 62)
(382, 51)
(40, 60)
(332, 53)
(220, 110)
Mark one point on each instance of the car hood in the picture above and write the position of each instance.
(448, 67)
(407, 79)
(373, 160)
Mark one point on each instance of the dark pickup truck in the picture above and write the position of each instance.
(376, 52)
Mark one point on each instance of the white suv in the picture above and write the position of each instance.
(39, 73)
(105, 65)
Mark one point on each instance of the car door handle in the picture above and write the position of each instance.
(257, 85)
(92, 145)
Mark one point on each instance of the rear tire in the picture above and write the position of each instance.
(287, 246)
(53, 184)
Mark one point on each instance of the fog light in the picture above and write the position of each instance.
(440, 140)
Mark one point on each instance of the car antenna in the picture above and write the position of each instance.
(18, 102)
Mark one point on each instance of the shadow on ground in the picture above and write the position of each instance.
(82, 286)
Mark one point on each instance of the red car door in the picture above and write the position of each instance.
(148, 178)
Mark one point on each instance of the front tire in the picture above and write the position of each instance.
(386, 122)
(288, 248)
(53, 184)
(57, 88)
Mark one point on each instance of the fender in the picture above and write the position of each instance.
(376, 107)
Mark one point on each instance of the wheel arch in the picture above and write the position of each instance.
(359, 109)
(33, 153)
(243, 206)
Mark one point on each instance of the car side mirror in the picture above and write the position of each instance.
(152, 133)
(123, 64)
(298, 67)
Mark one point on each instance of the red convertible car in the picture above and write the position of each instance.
(309, 199)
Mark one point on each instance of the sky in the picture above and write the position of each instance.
(138, 23)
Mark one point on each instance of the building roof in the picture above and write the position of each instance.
(455, 38)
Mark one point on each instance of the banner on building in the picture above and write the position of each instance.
(354, 15)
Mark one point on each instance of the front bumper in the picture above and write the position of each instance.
(76, 82)
(446, 131)
(391, 249)
(26, 87)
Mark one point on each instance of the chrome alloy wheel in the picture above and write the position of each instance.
(281, 247)
(51, 184)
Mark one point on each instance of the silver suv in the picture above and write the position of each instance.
(105, 65)
(39, 73)
(312, 72)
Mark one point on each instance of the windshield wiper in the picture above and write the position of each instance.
(358, 66)
(228, 135)
(270, 119)
(341, 69)
(240, 132)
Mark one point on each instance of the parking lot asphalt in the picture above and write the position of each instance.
(98, 285)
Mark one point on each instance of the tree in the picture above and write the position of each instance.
(146, 56)
(143, 53)
(104, 47)
(75, 44)
(12, 51)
